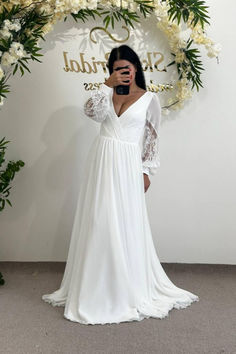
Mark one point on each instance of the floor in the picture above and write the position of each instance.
(28, 325)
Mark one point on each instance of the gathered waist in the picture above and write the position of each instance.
(118, 140)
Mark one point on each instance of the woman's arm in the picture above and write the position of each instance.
(97, 105)
(150, 152)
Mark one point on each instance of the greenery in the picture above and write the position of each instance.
(31, 30)
(116, 15)
(7, 174)
(191, 61)
(182, 9)
(3, 86)
(2, 281)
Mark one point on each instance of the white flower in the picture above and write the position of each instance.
(7, 59)
(12, 26)
(165, 111)
(213, 51)
(17, 50)
(117, 3)
(16, 26)
(180, 56)
(47, 28)
(45, 8)
(5, 34)
(70, 6)
(1, 73)
(6, 24)
(1, 100)
(182, 43)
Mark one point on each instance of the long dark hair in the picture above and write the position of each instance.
(124, 52)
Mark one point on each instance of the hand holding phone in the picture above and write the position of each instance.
(120, 79)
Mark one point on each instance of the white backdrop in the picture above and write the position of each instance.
(191, 200)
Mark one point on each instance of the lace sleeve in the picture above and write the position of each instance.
(150, 151)
(98, 103)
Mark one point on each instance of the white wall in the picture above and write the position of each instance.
(191, 200)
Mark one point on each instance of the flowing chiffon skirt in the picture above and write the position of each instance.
(113, 273)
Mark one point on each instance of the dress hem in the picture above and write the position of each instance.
(175, 305)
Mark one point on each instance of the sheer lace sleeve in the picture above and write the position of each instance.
(150, 150)
(98, 103)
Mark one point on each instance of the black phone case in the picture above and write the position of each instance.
(123, 89)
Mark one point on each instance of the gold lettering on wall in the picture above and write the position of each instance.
(94, 66)
(151, 63)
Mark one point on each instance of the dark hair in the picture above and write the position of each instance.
(124, 52)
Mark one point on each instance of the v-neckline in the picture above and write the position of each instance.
(132, 104)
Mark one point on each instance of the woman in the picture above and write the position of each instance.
(113, 273)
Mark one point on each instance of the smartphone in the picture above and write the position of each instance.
(122, 89)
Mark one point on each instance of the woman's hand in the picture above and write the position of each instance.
(116, 78)
(147, 182)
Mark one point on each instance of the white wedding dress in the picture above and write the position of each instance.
(113, 273)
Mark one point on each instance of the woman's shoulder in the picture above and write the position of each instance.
(154, 100)
(154, 94)
(151, 93)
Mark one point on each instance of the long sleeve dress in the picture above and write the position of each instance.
(112, 272)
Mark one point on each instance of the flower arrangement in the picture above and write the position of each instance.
(23, 23)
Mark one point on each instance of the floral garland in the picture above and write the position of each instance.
(14, 52)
